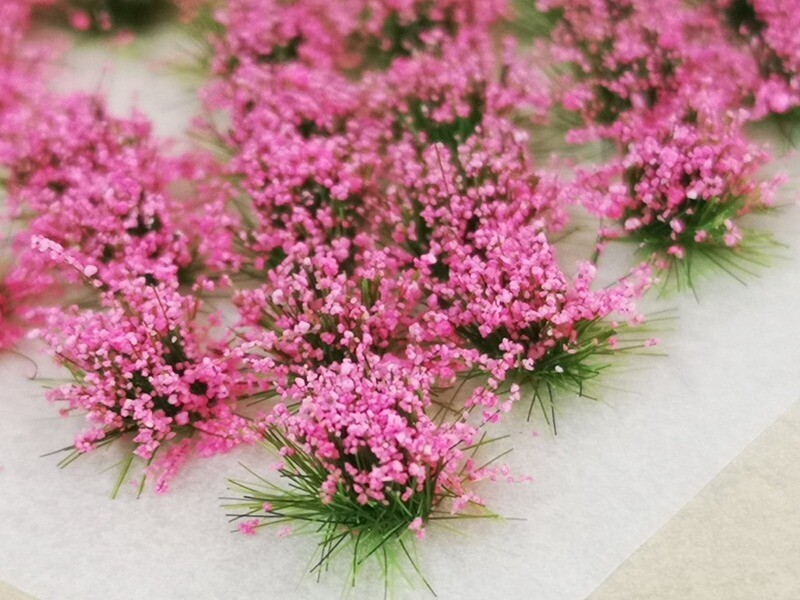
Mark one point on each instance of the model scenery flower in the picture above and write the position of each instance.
(146, 372)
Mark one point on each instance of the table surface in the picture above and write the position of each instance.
(615, 473)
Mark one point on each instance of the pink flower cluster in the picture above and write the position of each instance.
(681, 185)
(20, 288)
(94, 206)
(507, 297)
(97, 186)
(639, 62)
(145, 367)
(347, 35)
(368, 426)
(394, 215)
(655, 80)
(770, 30)
(103, 188)
(311, 312)
(22, 66)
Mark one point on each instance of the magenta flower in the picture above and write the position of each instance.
(147, 371)
(365, 461)
(680, 191)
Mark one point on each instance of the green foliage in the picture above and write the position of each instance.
(575, 367)
(741, 14)
(529, 23)
(450, 133)
(703, 258)
(397, 39)
(372, 531)
(125, 14)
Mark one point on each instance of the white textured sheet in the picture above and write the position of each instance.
(614, 474)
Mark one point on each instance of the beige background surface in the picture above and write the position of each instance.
(8, 592)
(738, 539)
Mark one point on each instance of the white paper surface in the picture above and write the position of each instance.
(614, 474)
